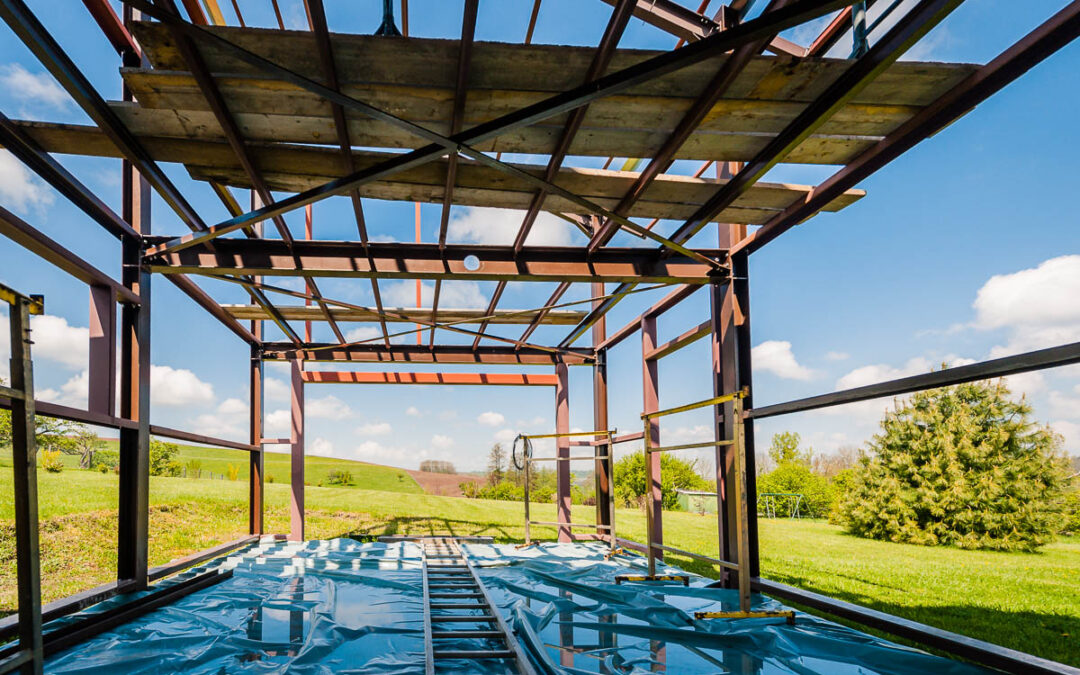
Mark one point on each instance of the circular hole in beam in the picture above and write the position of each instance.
(472, 263)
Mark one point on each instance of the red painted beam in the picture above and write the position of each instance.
(490, 379)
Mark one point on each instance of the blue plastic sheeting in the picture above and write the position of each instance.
(340, 606)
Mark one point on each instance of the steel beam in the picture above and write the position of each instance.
(466, 379)
(1036, 46)
(603, 448)
(296, 441)
(442, 354)
(650, 394)
(558, 317)
(678, 342)
(562, 449)
(427, 261)
(101, 388)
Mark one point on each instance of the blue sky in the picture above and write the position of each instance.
(964, 249)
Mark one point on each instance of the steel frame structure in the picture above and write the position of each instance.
(121, 308)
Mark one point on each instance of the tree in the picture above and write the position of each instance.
(496, 464)
(163, 460)
(963, 466)
(785, 448)
(85, 443)
(675, 474)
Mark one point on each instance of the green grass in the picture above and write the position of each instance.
(1029, 602)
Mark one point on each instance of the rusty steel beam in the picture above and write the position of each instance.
(711, 94)
(413, 315)
(675, 344)
(664, 304)
(797, 13)
(317, 22)
(419, 354)
(902, 36)
(427, 261)
(673, 18)
(461, 88)
(469, 379)
(1036, 46)
(111, 25)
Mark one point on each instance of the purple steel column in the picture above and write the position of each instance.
(562, 445)
(256, 411)
(650, 392)
(296, 438)
(600, 419)
(101, 395)
(722, 302)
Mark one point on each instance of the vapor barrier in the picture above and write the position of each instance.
(340, 606)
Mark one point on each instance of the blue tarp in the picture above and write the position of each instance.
(340, 606)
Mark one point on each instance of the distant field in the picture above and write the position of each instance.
(1029, 602)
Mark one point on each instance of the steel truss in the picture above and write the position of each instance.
(123, 305)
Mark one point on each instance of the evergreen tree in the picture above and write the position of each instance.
(496, 464)
(963, 466)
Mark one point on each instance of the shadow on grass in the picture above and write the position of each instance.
(429, 526)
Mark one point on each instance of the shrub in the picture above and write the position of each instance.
(163, 460)
(194, 468)
(270, 478)
(51, 461)
(234, 471)
(105, 460)
(796, 477)
(676, 474)
(339, 477)
(963, 466)
(1072, 513)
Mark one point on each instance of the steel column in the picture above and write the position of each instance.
(24, 463)
(562, 445)
(101, 392)
(744, 381)
(650, 393)
(255, 435)
(604, 467)
(296, 440)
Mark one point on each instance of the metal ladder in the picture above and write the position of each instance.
(450, 584)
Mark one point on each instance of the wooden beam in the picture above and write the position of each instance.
(469, 379)
(560, 317)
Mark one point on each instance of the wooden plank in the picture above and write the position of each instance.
(560, 317)
(668, 197)
(544, 68)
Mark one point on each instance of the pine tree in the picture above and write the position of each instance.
(963, 466)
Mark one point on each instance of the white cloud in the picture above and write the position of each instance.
(75, 392)
(375, 429)
(276, 390)
(1071, 432)
(837, 356)
(440, 442)
(1037, 306)
(500, 226)
(178, 387)
(447, 415)
(490, 418)
(452, 295)
(230, 419)
(1063, 405)
(33, 88)
(57, 340)
(362, 333)
(1026, 383)
(775, 356)
(505, 435)
(277, 424)
(20, 190)
(320, 446)
(329, 407)
(880, 372)
(412, 411)
(374, 451)
(233, 406)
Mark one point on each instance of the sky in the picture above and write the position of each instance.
(965, 248)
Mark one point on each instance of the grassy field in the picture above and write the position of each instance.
(1024, 601)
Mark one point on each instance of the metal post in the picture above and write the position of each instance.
(296, 438)
(255, 457)
(101, 392)
(528, 468)
(24, 461)
(603, 468)
(741, 282)
(741, 502)
(650, 383)
(562, 446)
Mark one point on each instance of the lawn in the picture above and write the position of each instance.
(1029, 602)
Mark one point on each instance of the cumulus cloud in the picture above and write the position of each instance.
(500, 226)
(55, 339)
(275, 389)
(75, 392)
(233, 406)
(837, 356)
(1071, 432)
(452, 295)
(1036, 306)
(178, 387)
(20, 190)
(505, 435)
(362, 333)
(33, 88)
(440, 442)
(320, 446)
(329, 407)
(277, 424)
(776, 357)
(490, 418)
(880, 372)
(375, 429)
(373, 451)
(412, 411)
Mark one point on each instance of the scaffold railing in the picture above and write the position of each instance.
(525, 466)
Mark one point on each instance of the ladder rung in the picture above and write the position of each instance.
(459, 605)
(455, 596)
(477, 618)
(467, 584)
(441, 634)
(473, 654)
